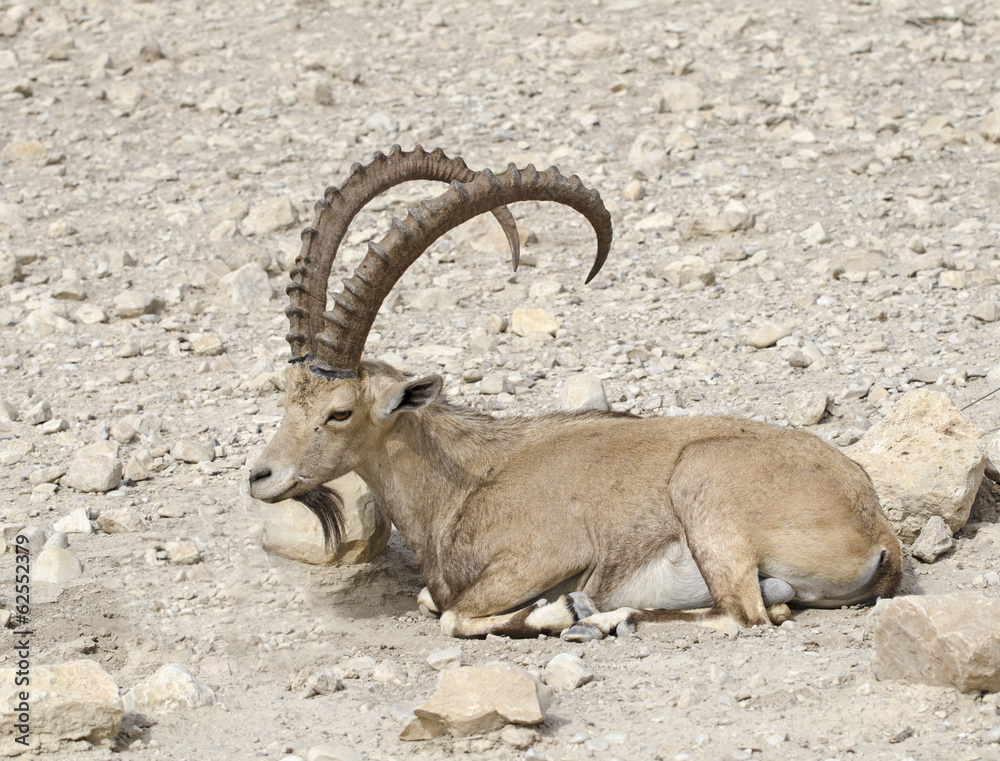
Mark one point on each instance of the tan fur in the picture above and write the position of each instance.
(502, 513)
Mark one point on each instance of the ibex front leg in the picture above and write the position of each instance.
(491, 605)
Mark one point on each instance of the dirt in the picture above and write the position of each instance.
(144, 132)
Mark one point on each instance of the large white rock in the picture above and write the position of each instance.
(567, 672)
(935, 539)
(70, 701)
(591, 46)
(120, 520)
(247, 287)
(135, 303)
(925, 458)
(95, 468)
(691, 273)
(189, 450)
(681, 95)
(767, 334)
(270, 217)
(449, 658)
(472, 701)
(77, 522)
(292, 530)
(171, 688)
(55, 565)
(525, 321)
(583, 392)
(951, 640)
(647, 155)
(10, 267)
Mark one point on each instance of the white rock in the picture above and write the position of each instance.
(135, 303)
(471, 701)
(567, 672)
(72, 701)
(647, 156)
(449, 658)
(525, 321)
(989, 127)
(206, 344)
(139, 465)
(38, 413)
(681, 95)
(767, 334)
(95, 468)
(247, 287)
(120, 520)
(58, 539)
(33, 534)
(171, 688)
(545, 288)
(291, 530)
(90, 315)
(390, 671)
(49, 475)
(583, 392)
(55, 565)
(10, 267)
(736, 216)
(77, 522)
(317, 682)
(189, 450)
(925, 458)
(986, 311)
(8, 412)
(591, 46)
(270, 217)
(951, 640)
(935, 539)
(183, 553)
(496, 383)
(815, 235)
(692, 273)
(807, 407)
(634, 191)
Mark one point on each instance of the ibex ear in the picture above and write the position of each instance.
(409, 395)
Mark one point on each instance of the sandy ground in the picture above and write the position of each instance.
(137, 135)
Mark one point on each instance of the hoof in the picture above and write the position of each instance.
(583, 606)
(779, 614)
(625, 629)
(581, 633)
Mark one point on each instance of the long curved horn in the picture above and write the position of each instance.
(320, 243)
(355, 308)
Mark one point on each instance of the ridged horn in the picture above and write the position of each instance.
(334, 213)
(351, 318)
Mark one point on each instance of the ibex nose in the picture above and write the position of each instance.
(257, 475)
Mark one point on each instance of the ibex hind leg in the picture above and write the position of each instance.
(624, 621)
(541, 617)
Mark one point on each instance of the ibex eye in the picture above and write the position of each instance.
(339, 416)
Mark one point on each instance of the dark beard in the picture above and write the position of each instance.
(328, 506)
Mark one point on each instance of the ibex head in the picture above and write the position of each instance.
(330, 424)
(337, 407)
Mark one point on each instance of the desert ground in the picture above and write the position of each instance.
(835, 168)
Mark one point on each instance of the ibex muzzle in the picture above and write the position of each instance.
(524, 526)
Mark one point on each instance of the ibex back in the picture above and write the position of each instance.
(580, 524)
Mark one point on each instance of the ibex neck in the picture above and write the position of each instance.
(429, 464)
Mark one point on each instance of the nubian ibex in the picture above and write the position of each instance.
(579, 524)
